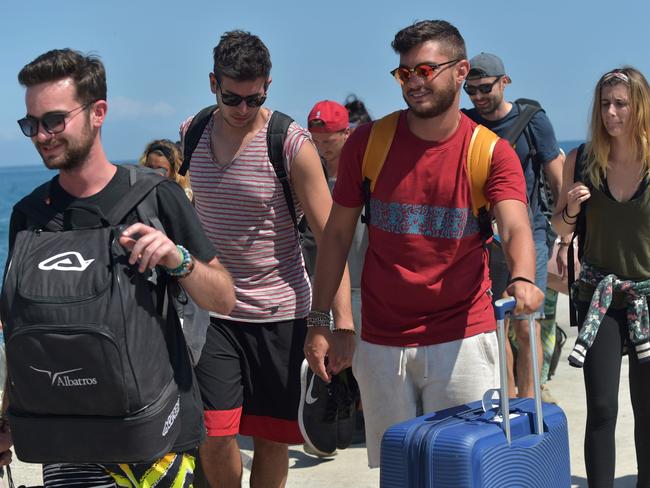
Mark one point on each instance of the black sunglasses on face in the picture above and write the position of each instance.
(484, 88)
(423, 70)
(52, 122)
(233, 100)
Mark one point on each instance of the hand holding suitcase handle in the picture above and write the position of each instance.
(502, 308)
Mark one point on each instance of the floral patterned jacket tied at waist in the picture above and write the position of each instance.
(636, 293)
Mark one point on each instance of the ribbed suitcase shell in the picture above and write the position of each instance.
(467, 447)
(459, 448)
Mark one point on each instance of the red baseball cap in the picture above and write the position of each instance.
(328, 116)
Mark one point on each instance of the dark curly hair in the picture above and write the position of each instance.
(241, 56)
(440, 31)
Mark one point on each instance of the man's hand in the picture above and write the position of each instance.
(562, 260)
(529, 297)
(341, 350)
(317, 346)
(150, 247)
(5, 444)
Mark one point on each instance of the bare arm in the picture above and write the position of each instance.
(519, 249)
(209, 284)
(330, 263)
(571, 197)
(313, 193)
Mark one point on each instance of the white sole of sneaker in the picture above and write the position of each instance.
(303, 392)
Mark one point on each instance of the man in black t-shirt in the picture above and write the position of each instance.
(66, 108)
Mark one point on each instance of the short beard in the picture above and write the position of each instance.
(75, 154)
(444, 100)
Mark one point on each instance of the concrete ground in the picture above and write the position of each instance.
(349, 469)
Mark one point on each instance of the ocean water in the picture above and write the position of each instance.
(18, 181)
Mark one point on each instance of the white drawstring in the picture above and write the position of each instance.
(401, 367)
(426, 362)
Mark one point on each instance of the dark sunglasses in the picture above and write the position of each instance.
(53, 122)
(423, 70)
(233, 100)
(485, 88)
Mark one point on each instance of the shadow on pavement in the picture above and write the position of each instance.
(628, 481)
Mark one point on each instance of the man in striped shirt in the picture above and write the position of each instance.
(250, 367)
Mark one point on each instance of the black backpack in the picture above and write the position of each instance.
(90, 378)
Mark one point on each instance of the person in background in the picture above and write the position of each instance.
(611, 192)
(357, 112)
(537, 150)
(165, 155)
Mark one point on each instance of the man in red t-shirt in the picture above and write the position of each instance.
(427, 339)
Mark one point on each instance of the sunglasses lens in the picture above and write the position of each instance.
(29, 126)
(470, 90)
(230, 99)
(54, 123)
(425, 71)
(255, 100)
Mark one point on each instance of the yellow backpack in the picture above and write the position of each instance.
(479, 160)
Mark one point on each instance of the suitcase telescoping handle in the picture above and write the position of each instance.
(502, 308)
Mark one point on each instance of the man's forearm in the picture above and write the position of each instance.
(211, 287)
(519, 250)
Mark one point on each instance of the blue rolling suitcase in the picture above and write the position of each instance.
(474, 446)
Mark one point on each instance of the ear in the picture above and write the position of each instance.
(462, 69)
(268, 83)
(213, 83)
(98, 113)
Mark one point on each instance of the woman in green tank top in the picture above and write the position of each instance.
(611, 191)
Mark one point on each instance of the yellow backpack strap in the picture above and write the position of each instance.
(381, 138)
(479, 159)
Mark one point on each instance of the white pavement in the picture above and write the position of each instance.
(349, 468)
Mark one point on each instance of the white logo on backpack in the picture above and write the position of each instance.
(61, 378)
(66, 261)
(172, 416)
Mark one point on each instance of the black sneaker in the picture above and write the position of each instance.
(346, 392)
(317, 413)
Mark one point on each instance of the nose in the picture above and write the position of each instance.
(42, 135)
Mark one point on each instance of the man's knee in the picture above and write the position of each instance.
(216, 445)
(522, 331)
(265, 445)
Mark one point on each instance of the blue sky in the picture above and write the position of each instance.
(158, 55)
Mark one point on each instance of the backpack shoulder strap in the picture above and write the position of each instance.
(36, 206)
(379, 142)
(193, 136)
(381, 138)
(478, 163)
(579, 233)
(141, 182)
(527, 111)
(275, 136)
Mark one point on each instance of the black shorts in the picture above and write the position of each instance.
(249, 377)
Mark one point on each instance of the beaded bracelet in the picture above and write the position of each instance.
(186, 266)
(319, 319)
(345, 331)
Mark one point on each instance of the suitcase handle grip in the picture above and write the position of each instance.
(502, 307)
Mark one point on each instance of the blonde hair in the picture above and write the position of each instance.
(599, 145)
(172, 153)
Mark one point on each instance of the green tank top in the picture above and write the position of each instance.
(618, 237)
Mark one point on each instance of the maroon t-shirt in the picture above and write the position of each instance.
(425, 277)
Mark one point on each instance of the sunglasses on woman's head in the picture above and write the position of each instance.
(233, 100)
